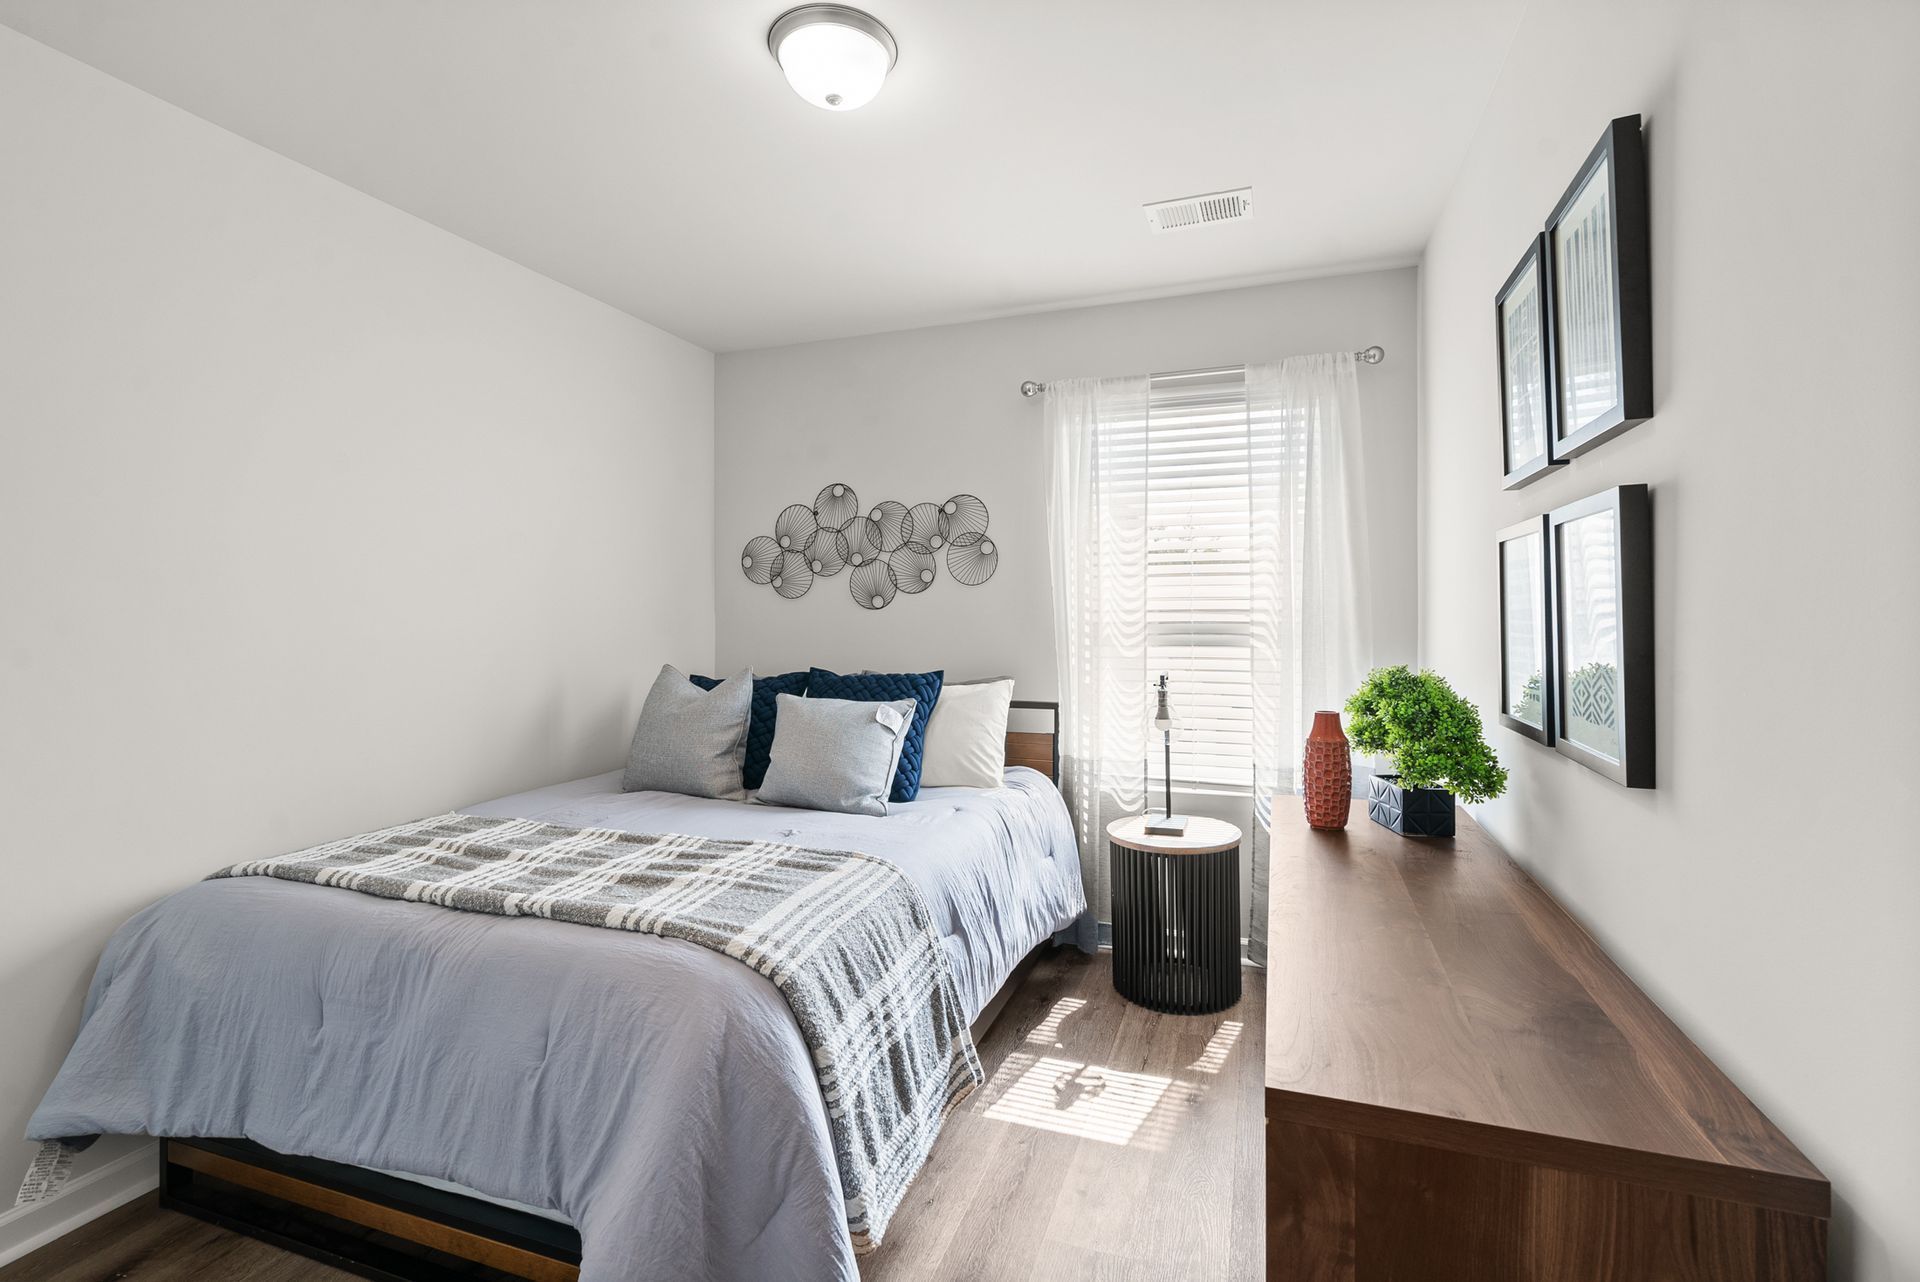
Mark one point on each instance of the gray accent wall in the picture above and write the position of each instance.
(924, 414)
(921, 415)
(1765, 892)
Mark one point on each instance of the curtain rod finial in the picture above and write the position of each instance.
(1371, 355)
(1031, 389)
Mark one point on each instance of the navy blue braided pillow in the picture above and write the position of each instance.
(884, 687)
(760, 728)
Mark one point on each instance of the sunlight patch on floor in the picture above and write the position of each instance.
(1214, 1057)
(1047, 1031)
(1073, 1098)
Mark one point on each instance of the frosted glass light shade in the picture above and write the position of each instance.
(835, 57)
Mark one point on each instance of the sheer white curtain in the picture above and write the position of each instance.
(1120, 534)
(1313, 629)
(1097, 525)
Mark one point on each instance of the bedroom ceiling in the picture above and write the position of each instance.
(651, 154)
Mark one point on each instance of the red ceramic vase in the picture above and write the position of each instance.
(1328, 772)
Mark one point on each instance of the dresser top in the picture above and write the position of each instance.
(1430, 991)
(1203, 836)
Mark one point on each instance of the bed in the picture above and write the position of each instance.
(413, 1092)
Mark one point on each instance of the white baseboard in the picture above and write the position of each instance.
(87, 1197)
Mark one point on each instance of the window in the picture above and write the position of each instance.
(1207, 525)
(1189, 471)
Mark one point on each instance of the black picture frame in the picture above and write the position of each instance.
(1533, 527)
(1517, 470)
(1622, 568)
(1584, 286)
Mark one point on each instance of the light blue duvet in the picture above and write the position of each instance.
(654, 1093)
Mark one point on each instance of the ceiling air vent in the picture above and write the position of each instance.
(1199, 211)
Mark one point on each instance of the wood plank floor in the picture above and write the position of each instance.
(1109, 1142)
(142, 1241)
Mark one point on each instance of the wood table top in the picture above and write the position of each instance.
(1430, 991)
(1203, 836)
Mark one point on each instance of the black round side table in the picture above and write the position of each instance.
(1176, 915)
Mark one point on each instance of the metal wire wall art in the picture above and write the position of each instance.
(888, 549)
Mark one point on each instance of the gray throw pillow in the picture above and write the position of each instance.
(835, 754)
(691, 740)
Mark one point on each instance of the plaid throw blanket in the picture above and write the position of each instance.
(844, 936)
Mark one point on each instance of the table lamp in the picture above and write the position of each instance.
(1166, 824)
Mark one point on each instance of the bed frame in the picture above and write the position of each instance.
(1037, 749)
(395, 1230)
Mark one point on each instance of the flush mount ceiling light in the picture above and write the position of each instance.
(835, 57)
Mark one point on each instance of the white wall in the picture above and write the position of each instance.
(1765, 892)
(313, 518)
(923, 414)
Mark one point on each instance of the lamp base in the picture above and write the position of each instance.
(1167, 826)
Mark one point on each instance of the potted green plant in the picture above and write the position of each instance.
(1433, 739)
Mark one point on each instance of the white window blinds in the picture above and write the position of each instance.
(1189, 470)
(1210, 525)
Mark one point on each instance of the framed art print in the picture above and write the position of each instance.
(1601, 586)
(1526, 386)
(1601, 308)
(1526, 686)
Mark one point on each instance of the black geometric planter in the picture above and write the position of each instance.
(1411, 812)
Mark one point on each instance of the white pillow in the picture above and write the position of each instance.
(966, 744)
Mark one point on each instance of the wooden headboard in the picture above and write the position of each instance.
(1037, 749)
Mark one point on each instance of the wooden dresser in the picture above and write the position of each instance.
(1461, 1086)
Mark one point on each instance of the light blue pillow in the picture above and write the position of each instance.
(690, 740)
(835, 754)
(922, 687)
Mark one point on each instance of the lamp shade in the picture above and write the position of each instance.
(835, 57)
(1162, 711)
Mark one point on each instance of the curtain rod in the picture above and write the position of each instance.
(1366, 356)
